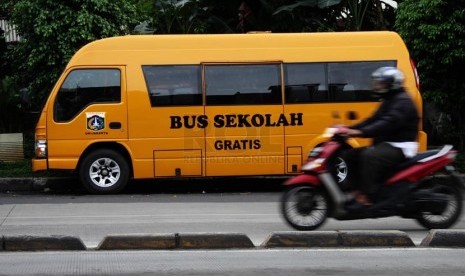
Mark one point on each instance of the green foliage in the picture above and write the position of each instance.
(177, 16)
(10, 102)
(52, 31)
(11, 106)
(434, 31)
(181, 17)
(307, 3)
(3, 51)
(144, 9)
(209, 16)
(334, 15)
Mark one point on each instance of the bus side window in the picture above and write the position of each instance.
(305, 83)
(243, 84)
(351, 81)
(173, 85)
(337, 86)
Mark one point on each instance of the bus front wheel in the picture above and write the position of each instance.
(104, 171)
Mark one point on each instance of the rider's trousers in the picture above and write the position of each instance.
(370, 166)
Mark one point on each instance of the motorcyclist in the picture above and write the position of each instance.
(394, 129)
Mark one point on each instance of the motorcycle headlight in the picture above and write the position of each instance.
(313, 164)
(315, 152)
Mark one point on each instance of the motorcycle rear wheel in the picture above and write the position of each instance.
(454, 206)
(305, 208)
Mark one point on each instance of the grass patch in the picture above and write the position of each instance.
(15, 169)
(24, 169)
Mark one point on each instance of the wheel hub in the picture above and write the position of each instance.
(341, 170)
(305, 204)
(105, 172)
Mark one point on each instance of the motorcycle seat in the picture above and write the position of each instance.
(416, 158)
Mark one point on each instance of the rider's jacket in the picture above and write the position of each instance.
(396, 120)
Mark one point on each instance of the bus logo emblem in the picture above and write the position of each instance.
(95, 121)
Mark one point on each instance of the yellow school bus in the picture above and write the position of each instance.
(163, 106)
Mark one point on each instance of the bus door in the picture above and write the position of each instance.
(89, 105)
(303, 95)
(245, 132)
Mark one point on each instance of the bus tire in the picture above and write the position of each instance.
(104, 171)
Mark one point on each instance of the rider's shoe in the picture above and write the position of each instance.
(360, 202)
(353, 206)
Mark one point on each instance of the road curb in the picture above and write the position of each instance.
(213, 241)
(41, 243)
(18, 184)
(192, 241)
(444, 238)
(302, 239)
(26, 184)
(138, 242)
(391, 238)
(339, 239)
(176, 241)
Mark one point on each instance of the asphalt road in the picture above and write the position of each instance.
(199, 209)
(193, 209)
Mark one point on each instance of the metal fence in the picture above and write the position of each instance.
(10, 32)
(11, 147)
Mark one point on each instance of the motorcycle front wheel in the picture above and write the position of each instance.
(305, 208)
(454, 204)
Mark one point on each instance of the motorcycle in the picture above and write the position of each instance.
(426, 188)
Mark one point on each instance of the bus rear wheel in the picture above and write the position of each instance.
(104, 171)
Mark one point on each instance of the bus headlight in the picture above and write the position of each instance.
(41, 148)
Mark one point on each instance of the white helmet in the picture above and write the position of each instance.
(389, 77)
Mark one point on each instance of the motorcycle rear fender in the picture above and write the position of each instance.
(419, 171)
(309, 179)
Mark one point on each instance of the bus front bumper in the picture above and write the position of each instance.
(39, 165)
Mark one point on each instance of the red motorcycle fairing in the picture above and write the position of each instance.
(330, 148)
(311, 180)
(422, 169)
(419, 171)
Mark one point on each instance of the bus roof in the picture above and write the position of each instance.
(195, 49)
